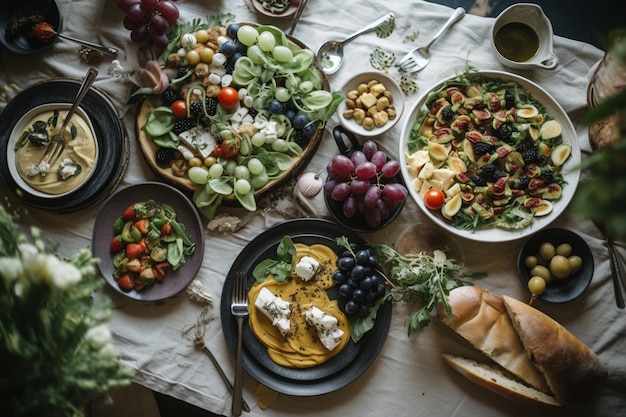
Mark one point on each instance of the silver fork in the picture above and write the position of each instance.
(239, 310)
(57, 142)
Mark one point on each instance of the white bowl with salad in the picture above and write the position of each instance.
(489, 156)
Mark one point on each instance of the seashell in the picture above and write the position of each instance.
(310, 184)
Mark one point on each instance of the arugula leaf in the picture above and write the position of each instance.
(279, 268)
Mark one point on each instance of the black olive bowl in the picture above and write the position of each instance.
(15, 11)
(565, 289)
(335, 208)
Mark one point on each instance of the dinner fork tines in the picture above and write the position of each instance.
(57, 143)
(239, 310)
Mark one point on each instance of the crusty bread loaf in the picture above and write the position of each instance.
(494, 379)
(568, 364)
(481, 318)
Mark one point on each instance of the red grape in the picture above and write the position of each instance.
(168, 10)
(350, 207)
(390, 169)
(372, 217)
(369, 148)
(378, 159)
(149, 5)
(139, 34)
(160, 40)
(365, 171)
(329, 185)
(159, 24)
(341, 191)
(371, 197)
(358, 157)
(342, 166)
(383, 209)
(359, 187)
(395, 192)
(135, 13)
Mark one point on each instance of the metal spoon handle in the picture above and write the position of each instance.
(458, 14)
(107, 50)
(82, 91)
(296, 18)
(370, 27)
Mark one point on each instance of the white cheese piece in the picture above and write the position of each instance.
(275, 308)
(326, 326)
(199, 140)
(307, 268)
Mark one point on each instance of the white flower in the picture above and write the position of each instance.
(98, 336)
(10, 269)
(63, 275)
(109, 351)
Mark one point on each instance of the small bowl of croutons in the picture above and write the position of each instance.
(373, 104)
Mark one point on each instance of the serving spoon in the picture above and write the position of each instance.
(330, 54)
(44, 32)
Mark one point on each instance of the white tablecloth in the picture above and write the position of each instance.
(409, 377)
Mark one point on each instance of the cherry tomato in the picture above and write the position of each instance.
(126, 282)
(230, 147)
(228, 97)
(433, 199)
(179, 109)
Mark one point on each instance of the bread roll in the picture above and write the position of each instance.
(481, 318)
(568, 364)
(494, 379)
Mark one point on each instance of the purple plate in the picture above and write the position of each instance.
(175, 281)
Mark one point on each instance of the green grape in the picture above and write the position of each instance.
(282, 94)
(282, 53)
(242, 186)
(242, 171)
(259, 181)
(255, 166)
(247, 35)
(537, 285)
(306, 86)
(255, 54)
(199, 175)
(280, 145)
(216, 170)
(230, 167)
(266, 41)
(258, 139)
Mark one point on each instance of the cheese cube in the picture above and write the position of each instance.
(275, 308)
(326, 326)
(307, 267)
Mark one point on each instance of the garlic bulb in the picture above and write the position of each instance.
(310, 184)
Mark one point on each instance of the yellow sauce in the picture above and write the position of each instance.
(81, 149)
(302, 348)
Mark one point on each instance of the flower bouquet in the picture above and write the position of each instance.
(55, 344)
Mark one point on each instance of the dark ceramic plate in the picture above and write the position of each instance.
(110, 133)
(175, 281)
(332, 375)
(559, 290)
(13, 11)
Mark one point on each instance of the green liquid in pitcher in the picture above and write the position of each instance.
(517, 41)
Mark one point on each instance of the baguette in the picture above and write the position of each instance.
(568, 365)
(480, 317)
(494, 379)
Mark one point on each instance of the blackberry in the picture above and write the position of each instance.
(211, 105)
(478, 180)
(447, 114)
(548, 174)
(522, 182)
(504, 134)
(533, 156)
(487, 172)
(164, 157)
(509, 100)
(499, 174)
(300, 138)
(182, 125)
(253, 112)
(482, 148)
(182, 71)
(195, 108)
(169, 96)
(229, 66)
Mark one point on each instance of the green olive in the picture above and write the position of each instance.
(547, 250)
(564, 249)
(530, 261)
(575, 262)
(537, 285)
(541, 271)
(560, 267)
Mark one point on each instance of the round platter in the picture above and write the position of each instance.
(332, 375)
(149, 147)
(110, 133)
(293, 6)
(570, 170)
(175, 281)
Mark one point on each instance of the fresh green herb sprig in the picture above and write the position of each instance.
(423, 279)
(279, 268)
